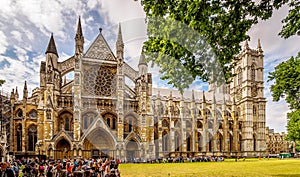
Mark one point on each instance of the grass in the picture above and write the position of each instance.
(250, 167)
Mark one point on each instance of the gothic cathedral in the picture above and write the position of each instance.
(98, 115)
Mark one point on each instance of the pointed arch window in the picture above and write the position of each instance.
(32, 137)
(254, 110)
(19, 137)
(253, 72)
(188, 142)
(177, 142)
(67, 124)
(199, 141)
(165, 141)
(240, 76)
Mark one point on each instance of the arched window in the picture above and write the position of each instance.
(199, 124)
(188, 125)
(111, 120)
(177, 123)
(165, 123)
(188, 142)
(108, 121)
(165, 139)
(252, 72)
(210, 124)
(66, 121)
(67, 124)
(199, 141)
(130, 126)
(33, 114)
(220, 142)
(32, 137)
(240, 76)
(19, 137)
(210, 143)
(20, 113)
(254, 110)
(88, 119)
(177, 141)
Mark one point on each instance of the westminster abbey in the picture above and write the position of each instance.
(96, 114)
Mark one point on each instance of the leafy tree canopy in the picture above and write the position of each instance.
(294, 126)
(292, 21)
(222, 25)
(287, 82)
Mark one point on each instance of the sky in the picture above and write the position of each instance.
(26, 26)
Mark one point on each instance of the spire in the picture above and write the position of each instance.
(246, 46)
(79, 29)
(79, 39)
(17, 94)
(120, 47)
(25, 91)
(259, 46)
(142, 59)
(120, 38)
(203, 97)
(12, 95)
(51, 46)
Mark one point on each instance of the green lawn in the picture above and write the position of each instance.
(250, 167)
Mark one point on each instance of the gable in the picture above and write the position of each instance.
(100, 50)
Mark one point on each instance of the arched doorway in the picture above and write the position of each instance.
(62, 149)
(132, 151)
(98, 143)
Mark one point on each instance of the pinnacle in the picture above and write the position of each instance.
(120, 38)
(51, 46)
(79, 29)
(142, 59)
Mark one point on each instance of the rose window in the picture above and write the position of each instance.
(100, 82)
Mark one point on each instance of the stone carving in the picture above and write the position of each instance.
(100, 50)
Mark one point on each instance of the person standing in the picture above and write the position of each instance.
(5, 172)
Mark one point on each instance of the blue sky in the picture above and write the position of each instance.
(26, 26)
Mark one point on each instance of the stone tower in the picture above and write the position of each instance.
(247, 89)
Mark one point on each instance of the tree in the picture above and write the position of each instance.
(287, 82)
(2, 82)
(221, 24)
(287, 75)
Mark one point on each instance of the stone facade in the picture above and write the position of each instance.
(277, 143)
(98, 114)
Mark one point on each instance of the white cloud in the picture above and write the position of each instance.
(3, 43)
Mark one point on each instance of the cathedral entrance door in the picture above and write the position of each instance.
(100, 140)
(132, 151)
(62, 149)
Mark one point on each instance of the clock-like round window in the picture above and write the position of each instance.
(101, 82)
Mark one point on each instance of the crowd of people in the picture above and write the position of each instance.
(60, 168)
